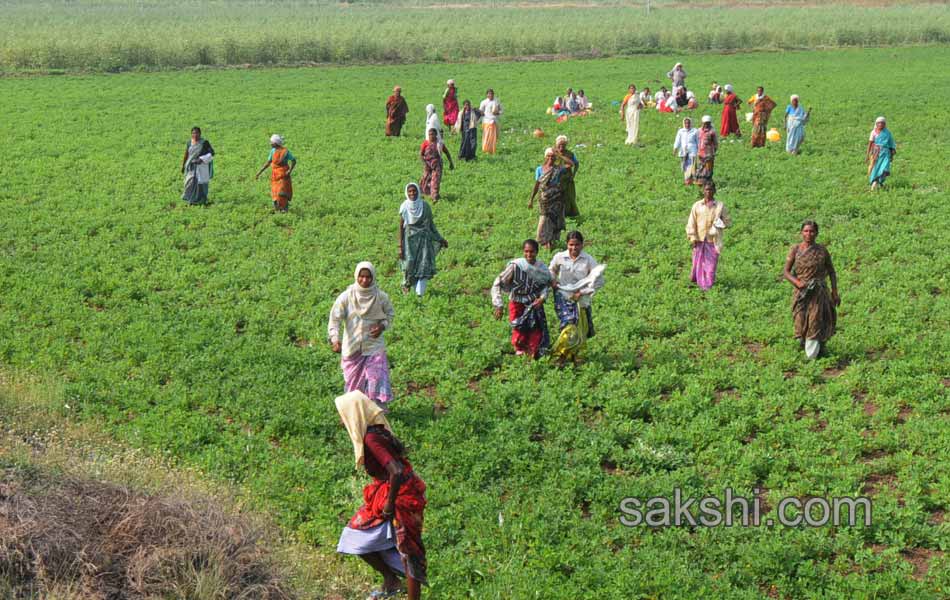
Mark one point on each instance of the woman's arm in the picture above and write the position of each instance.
(787, 271)
(394, 467)
(833, 276)
(534, 192)
(267, 164)
(183, 161)
(445, 151)
(293, 165)
(402, 233)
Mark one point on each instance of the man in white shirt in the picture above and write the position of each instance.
(686, 146)
(491, 110)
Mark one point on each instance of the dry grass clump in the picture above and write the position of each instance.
(65, 537)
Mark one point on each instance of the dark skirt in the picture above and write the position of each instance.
(469, 144)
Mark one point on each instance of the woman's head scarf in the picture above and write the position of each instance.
(358, 413)
(411, 210)
(365, 301)
(277, 139)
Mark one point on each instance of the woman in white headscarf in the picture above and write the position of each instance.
(419, 241)
(677, 75)
(386, 531)
(365, 312)
(432, 122)
(795, 119)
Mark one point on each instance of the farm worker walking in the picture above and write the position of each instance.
(762, 107)
(813, 308)
(450, 104)
(419, 241)
(795, 119)
(491, 110)
(881, 151)
(577, 276)
(282, 164)
(396, 111)
(432, 122)
(707, 220)
(197, 167)
(708, 146)
(551, 203)
(430, 152)
(630, 113)
(365, 312)
(568, 189)
(527, 282)
(467, 125)
(386, 531)
(678, 76)
(730, 118)
(686, 146)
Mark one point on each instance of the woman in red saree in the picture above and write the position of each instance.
(282, 164)
(730, 120)
(392, 504)
(450, 104)
(527, 281)
(396, 111)
(431, 153)
(762, 107)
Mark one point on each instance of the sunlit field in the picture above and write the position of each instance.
(200, 332)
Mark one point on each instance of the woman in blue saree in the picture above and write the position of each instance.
(796, 117)
(881, 151)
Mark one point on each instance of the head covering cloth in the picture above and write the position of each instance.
(411, 210)
(358, 412)
(277, 139)
(365, 301)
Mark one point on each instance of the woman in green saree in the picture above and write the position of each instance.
(419, 241)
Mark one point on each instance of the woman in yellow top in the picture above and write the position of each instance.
(707, 220)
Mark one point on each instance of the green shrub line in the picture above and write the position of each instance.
(115, 36)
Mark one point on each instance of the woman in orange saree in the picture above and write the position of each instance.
(282, 164)
(762, 108)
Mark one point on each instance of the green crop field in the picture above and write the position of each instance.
(115, 35)
(200, 332)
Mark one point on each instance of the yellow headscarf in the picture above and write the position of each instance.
(358, 413)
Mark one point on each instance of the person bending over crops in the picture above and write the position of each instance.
(707, 220)
(551, 202)
(467, 125)
(197, 167)
(386, 531)
(431, 153)
(576, 277)
(686, 146)
(706, 157)
(881, 151)
(491, 110)
(365, 312)
(527, 282)
(730, 118)
(396, 111)
(568, 190)
(450, 104)
(813, 308)
(282, 164)
(419, 241)
(795, 119)
(630, 113)
(762, 107)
